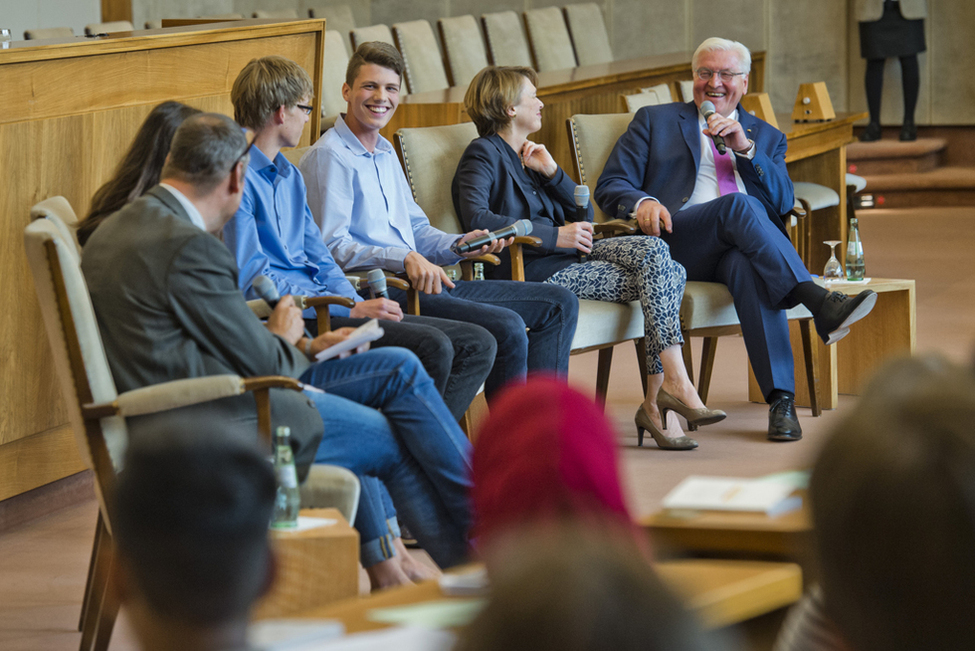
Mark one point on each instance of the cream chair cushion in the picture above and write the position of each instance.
(276, 13)
(506, 40)
(662, 91)
(637, 101)
(50, 32)
(549, 39)
(594, 138)
(430, 157)
(108, 28)
(686, 90)
(338, 18)
(62, 215)
(601, 322)
(362, 35)
(816, 195)
(424, 66)
(463, 47)
(333, 74)
(588, 31)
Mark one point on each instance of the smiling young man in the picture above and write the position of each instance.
(722, 216)
(360, 198)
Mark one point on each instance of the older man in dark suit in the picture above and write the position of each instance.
(165, 293)
(721, 214)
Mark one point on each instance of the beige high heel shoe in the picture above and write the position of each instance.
(643, 423)
(695, 417)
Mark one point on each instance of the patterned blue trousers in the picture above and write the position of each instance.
(636, 267)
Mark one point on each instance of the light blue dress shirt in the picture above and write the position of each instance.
(273, 233)
(364, 206)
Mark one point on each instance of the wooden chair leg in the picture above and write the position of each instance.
(812, 365)
(95, 604)
(707, 366)
(602, 375)
(86, 600)
(641, 360)
(688, 357)
(109, 609)
(474, 415)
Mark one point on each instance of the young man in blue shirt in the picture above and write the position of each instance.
(360, 198)
(273, 234)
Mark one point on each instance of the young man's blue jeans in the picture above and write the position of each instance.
(506, 308)
(384, 419)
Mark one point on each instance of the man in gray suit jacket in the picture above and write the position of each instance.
(165, 292)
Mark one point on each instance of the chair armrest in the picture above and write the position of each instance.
(467, 265)
(398, 283)
(260, 308)
(324, 301)
(616, 227)
(530, 240)
(183, 393)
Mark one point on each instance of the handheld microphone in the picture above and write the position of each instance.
(377, 283)
(266, 290)
(707, 110)
(581, 196)
(518, 229)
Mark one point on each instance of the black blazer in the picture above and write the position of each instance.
(491, 190)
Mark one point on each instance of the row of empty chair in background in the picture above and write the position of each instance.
(92, 29)
(552, 38)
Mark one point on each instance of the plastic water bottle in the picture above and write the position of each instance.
(287, 501)
(855, 268)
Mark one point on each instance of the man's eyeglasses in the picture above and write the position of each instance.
(726, 75)
(305, 108)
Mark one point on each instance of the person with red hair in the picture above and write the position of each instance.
(546, 454)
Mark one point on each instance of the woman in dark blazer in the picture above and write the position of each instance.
(504, 177)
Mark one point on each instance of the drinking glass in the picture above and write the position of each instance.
(834, 270)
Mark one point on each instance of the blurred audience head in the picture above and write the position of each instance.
(573, 588)
(191, 513)
(264, 86)
(893, 503)
(141, 166)
(377, 53)
(492, 92)
(546, 454)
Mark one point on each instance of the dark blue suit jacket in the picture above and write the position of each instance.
(660, 153)
(491, 190)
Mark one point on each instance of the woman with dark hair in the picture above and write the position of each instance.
(504, 177)
(140, 167)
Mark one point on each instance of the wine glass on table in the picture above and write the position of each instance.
(834, 270)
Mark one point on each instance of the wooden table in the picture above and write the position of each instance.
(587, 89)
(721, 592)
(68, 111)
(888, 331)
(732, 533)
(314, 567)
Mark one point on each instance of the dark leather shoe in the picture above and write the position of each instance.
(908, 132)
(783, 424)
(871, 133)
(839, 311)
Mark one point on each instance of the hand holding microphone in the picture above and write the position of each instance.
(285, 321)
(725, 132)
(581, 197)
(518, 229)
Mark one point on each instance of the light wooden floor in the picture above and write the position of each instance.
(43, 563)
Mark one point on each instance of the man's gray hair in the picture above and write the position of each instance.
(715, 44)
(204, 149)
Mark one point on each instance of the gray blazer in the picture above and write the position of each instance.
(870, 10)
(168, 306)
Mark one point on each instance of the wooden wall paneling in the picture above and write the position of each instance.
(37, 460)
(113, 10)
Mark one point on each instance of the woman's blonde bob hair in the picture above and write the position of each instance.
(492, 92)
